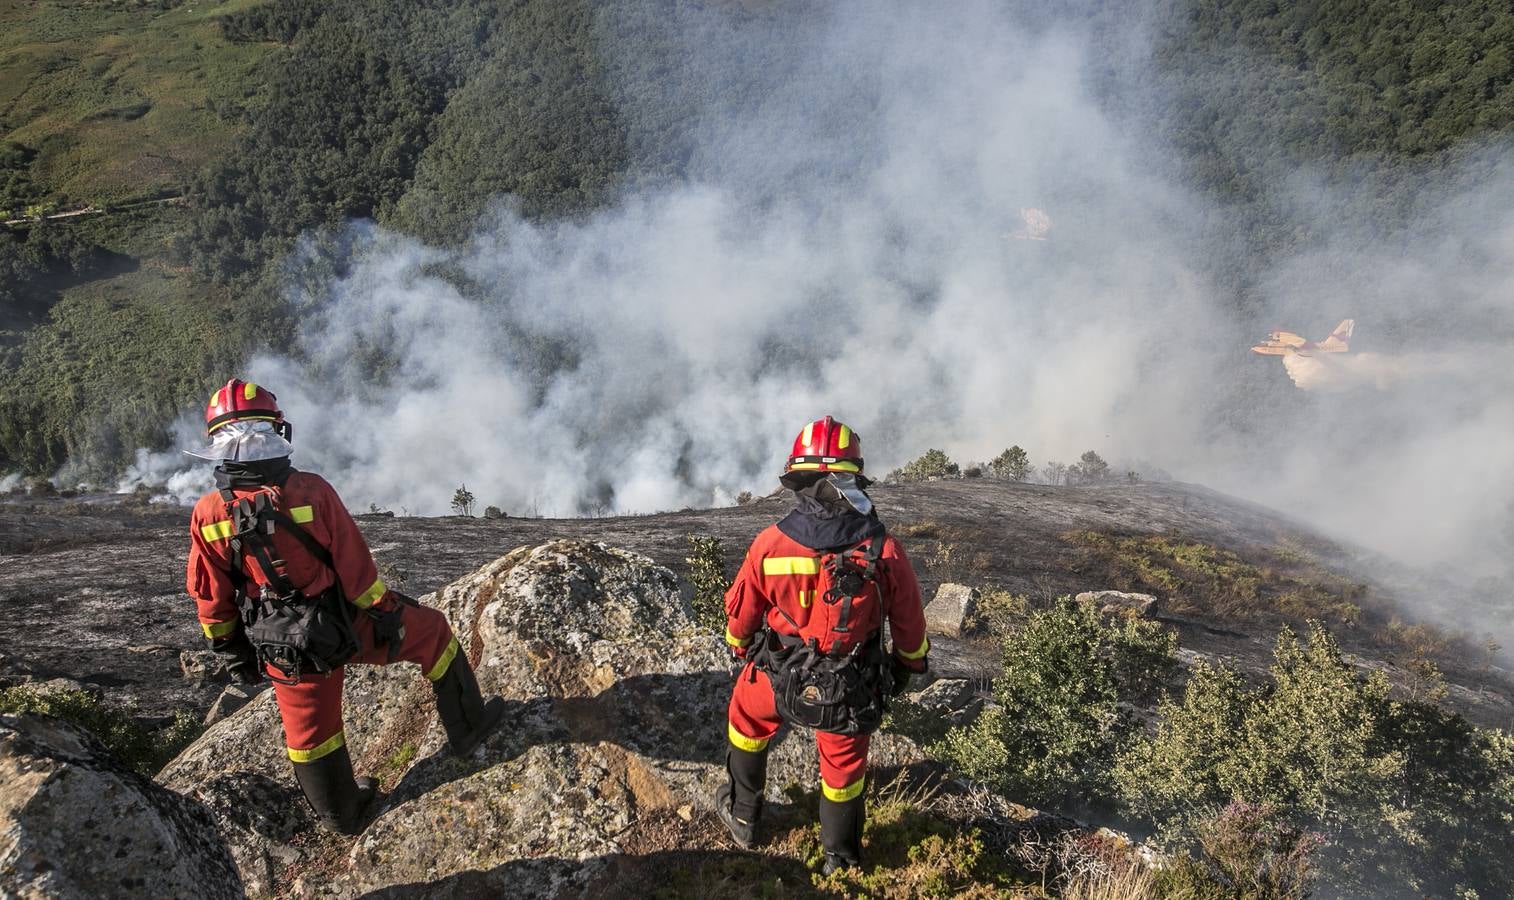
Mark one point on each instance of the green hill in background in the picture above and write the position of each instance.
(279, 119)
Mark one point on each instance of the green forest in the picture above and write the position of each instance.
(201, 142)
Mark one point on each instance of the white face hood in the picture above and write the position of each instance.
(244, 442)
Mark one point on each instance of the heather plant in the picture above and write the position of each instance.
(1405, 793)
(1062, 717)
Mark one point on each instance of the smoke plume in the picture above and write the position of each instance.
(843, 251)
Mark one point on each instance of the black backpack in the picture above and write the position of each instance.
(289, 630)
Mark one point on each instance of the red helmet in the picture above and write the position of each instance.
(826, 445)
(242, 401)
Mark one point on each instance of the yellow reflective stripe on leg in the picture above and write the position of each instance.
(791, 565)
(444, 661)
(302, 515)
(216, 531)
(841, 795)
(924, 649)
(371, 596)
(735, 641)
(218, 629)
(324, 748)
(742, 742)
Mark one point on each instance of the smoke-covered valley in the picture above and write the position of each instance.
(845, 249)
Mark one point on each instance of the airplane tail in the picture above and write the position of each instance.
(1339, 340)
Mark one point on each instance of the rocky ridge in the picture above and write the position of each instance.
(75, 823)
(616, 719)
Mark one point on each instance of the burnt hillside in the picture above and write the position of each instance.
(91, 588)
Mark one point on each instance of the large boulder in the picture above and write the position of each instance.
(616, 716)
(949, 611)
(76, 823)
(1112, 603)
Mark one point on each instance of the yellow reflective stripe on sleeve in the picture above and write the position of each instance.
(735, 641)
(841, 795)
(302, 515)
(216, 531)
(218, 629)
(324, 748)
(742, 742)
(924, 649)
(444, 661)
(371, 596)
(791, 565)
(840, 465)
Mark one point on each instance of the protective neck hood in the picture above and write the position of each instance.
(244, 442)
(253, 474)
(831, 513)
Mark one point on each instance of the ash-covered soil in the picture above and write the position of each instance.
(92, 588)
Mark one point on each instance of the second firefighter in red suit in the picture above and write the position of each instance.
(250, 441)
(783, 587)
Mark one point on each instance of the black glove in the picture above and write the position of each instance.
(238, 657)
(389, 628)
(902, 675)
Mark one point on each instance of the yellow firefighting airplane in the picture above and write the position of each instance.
(1286, 343)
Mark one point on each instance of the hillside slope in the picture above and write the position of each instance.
(92, 588)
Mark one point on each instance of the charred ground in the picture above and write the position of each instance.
(91, 588)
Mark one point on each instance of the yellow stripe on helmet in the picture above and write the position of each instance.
(249, 390)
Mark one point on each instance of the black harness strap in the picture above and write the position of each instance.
(848, 580)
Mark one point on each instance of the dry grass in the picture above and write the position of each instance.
(1132, 882)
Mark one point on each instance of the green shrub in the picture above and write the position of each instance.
(1060, 724)
(933, 464)
(706, 562)
(1012, 464)
(1089, 469)
(1406, 793)
(139, 747)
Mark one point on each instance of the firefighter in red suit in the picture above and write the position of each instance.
(785, 597)
(229, 571)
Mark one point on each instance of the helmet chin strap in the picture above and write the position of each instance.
(851, 491)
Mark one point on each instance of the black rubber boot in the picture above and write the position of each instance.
(841, 832)
(738, 802)
(465, 716)
(341, 802)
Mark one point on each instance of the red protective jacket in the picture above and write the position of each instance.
(315, 506)
(783, 583)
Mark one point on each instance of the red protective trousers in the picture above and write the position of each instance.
(754, 720)
(312, 710)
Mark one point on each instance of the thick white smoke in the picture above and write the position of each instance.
(664, 351)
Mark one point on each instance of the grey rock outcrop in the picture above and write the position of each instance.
(1120, 602)
(75, 823)
(948, 612)
(616, 715)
